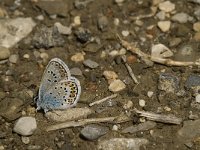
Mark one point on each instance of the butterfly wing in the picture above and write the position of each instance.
(62, 95)
(55, 72)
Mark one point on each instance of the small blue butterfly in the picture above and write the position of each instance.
(58, 89)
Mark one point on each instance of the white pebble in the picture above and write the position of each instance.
(139, 22)
(166, 108)
(122, 51)
(116, 86)
(125, 33)
(142, 102)
(161, 51)
(77, 20)
(128, 105)
(116, 21)
(78, 57)
(40, 17)
(110, 75)
(27, 56)
(119, 1)
(44, 55)
(63, 29)
(150, 94)
(167, 6)
(114, 53)
(115, 128)
(25, 126)
(25, 139)
(164, 25)
(197, 98)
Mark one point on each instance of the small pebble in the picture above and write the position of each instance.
(14, 58)
(4, 53)
(174, 42)
(34, 147)
(102, 22)
(142, 102)
(77, 20)
(131, 59)
(116, 21)
(26, 56)
(68, 114)
(25, 139)
(116, 86)
(149, 94)
(125, 33)
(63, 29)
(122, 51)
(93, 131)
(44, 56)
(40, 17)
(25, 126)
(76, 71)
(168, 82)
(119, 1)
(161, 15)
(36, 54)
(139, 23)
(83, 35)
(197, 13)
(180, 17)
(2, 147)
(128, 105)
(197, 36)
(115, 127)
(164, 25)
(114, 53)
(2, 95)
(161, 51)
(110, 75)
(91, 64)
(166, 108)
(196, 26)
(197, 98)
(122, 144)
(78, 57)
(167, 6)
(31, 111)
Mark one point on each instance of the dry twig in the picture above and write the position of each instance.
(159, 117)
(103, 100)
(145, 57)
(118, 119)
(143, 16)
(130, 71)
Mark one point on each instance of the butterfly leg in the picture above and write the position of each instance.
(35, 99)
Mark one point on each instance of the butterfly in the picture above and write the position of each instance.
(58, 89)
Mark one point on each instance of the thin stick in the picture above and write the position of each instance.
(118, 119)
(159, 117)
(103, 100)
(130, 71)
(146, 57)
(143, 16)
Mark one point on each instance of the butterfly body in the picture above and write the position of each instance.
(58, 89)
